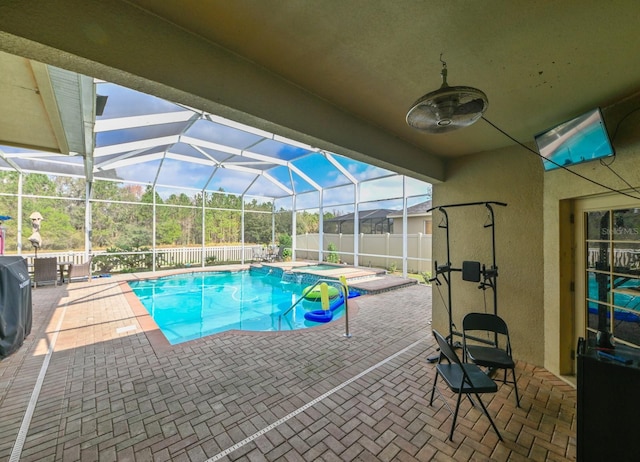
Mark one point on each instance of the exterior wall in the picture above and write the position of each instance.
(560, 188)
(415, 225)
(514, 177)
(535, 245)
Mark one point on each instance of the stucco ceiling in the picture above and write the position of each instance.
(341, 75)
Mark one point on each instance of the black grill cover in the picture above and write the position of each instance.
(15, 303)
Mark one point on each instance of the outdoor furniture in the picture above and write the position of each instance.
(82, 270)
(272, 253)
(485, 351)
(462, 379)
(45, 270)
(277, 254)
(62, 265)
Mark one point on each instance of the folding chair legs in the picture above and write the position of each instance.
(515, 385)
(484, 409)
(433, 389)
(513, 382)
(455, 416)
(455, 412)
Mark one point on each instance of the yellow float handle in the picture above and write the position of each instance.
(345, 287)
(324, 296)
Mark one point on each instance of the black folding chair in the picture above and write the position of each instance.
(463, 379)
(482, 335)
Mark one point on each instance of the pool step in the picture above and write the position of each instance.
(380, 284)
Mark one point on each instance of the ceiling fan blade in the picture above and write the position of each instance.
(470, 107)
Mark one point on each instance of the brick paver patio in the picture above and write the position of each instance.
(113, 392)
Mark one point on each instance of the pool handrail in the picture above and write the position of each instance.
(345, 292)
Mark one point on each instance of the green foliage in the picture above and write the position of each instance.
(169, 232)
(106, 263)
(257, 227)
(285, 240)
(210, 261)
(426, 275)
(392, 267)
(127, 259)
(122, 216)
(307, 222)
(333, 256)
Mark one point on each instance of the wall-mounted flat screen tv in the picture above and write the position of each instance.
(575, 141)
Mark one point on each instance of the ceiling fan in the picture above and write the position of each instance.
(447, 108)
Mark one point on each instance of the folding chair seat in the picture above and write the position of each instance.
(482, 337)
(462, 379)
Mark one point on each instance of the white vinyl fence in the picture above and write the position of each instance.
(375, 250)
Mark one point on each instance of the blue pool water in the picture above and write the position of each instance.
(194, 305)
(627, 301)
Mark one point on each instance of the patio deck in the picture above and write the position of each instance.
(109, 392)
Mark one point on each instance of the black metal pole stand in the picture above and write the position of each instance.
(489, 276)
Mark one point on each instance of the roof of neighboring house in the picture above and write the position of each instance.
(362, 215)
(414, 210)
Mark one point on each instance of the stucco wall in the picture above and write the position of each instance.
(513, 176)
(559, 185)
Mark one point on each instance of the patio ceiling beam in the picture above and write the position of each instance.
(7, 159)
(209, 145)
(260, 165)
(120, 123)
(297, 144)
(198, 143)
(258, 173)
(133, 161)
(245, 192)
(277, 183)
(238, 126)
(262, 157)
(339, 166)
(206, 154)
(31, 155)
(382, 177)
(129, 160)
(189, 159)
(53, 161)
(304, 176)
(135, 145)
(240, 168)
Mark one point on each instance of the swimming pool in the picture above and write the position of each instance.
(193, 305)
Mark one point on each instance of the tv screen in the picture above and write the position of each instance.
(578, 140)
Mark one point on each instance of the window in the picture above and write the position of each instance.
(427, 227)
(613, 273)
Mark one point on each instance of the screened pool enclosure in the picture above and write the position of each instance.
(151, 184)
